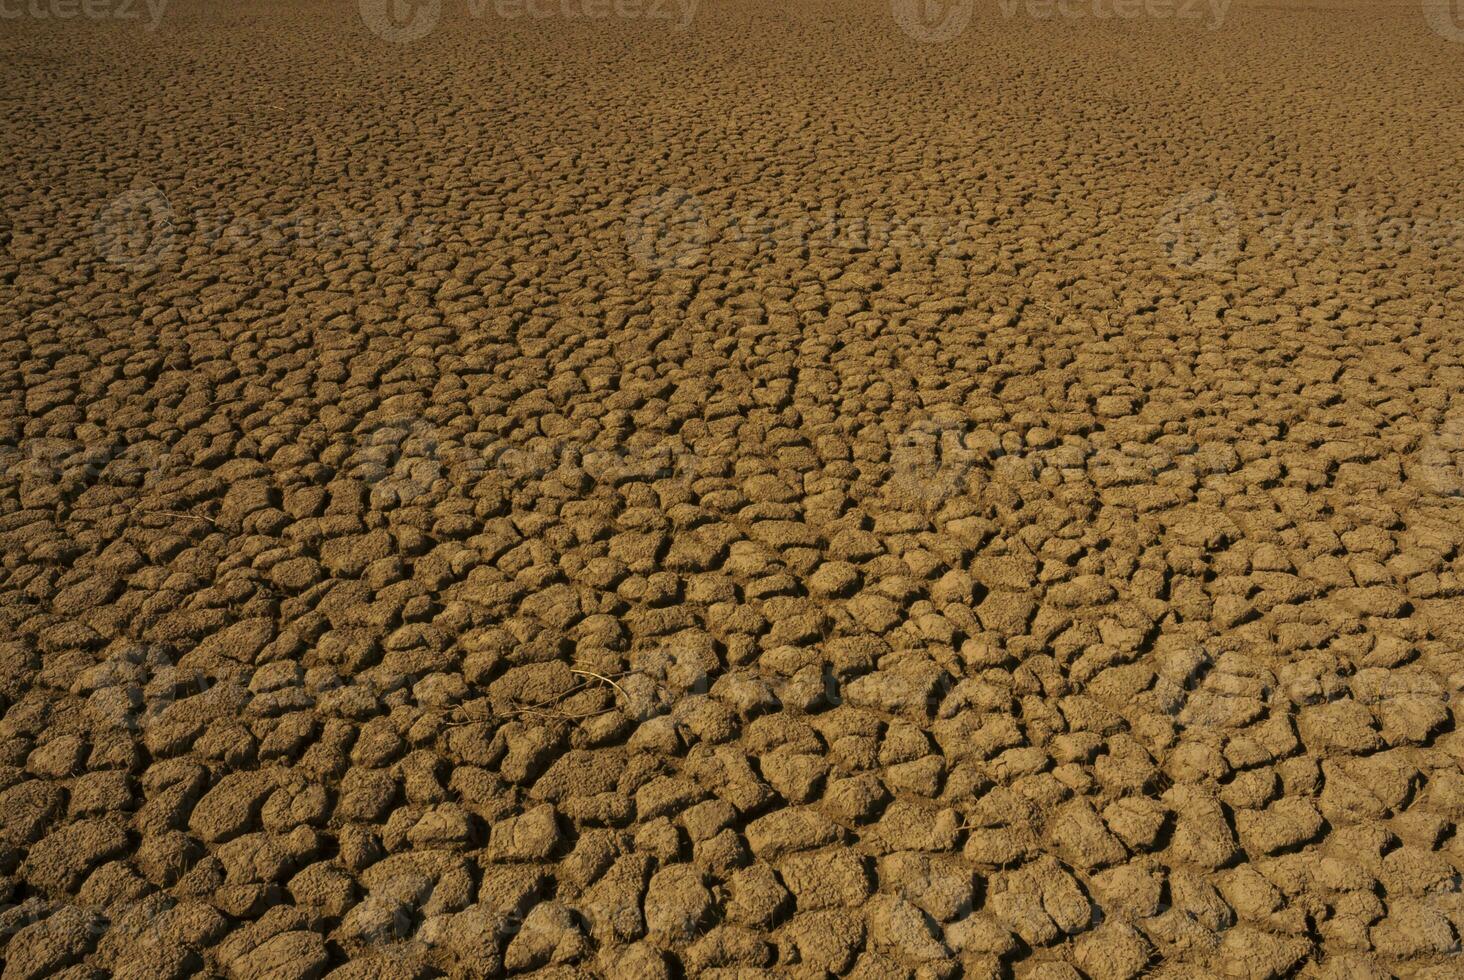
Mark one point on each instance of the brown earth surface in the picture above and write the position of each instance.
(821, 489)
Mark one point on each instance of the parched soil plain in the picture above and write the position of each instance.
(731, 489)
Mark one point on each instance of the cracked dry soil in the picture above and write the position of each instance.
(580, 498)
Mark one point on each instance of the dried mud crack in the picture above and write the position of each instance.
(731, 489)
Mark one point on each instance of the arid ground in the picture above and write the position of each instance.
(638, 489)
